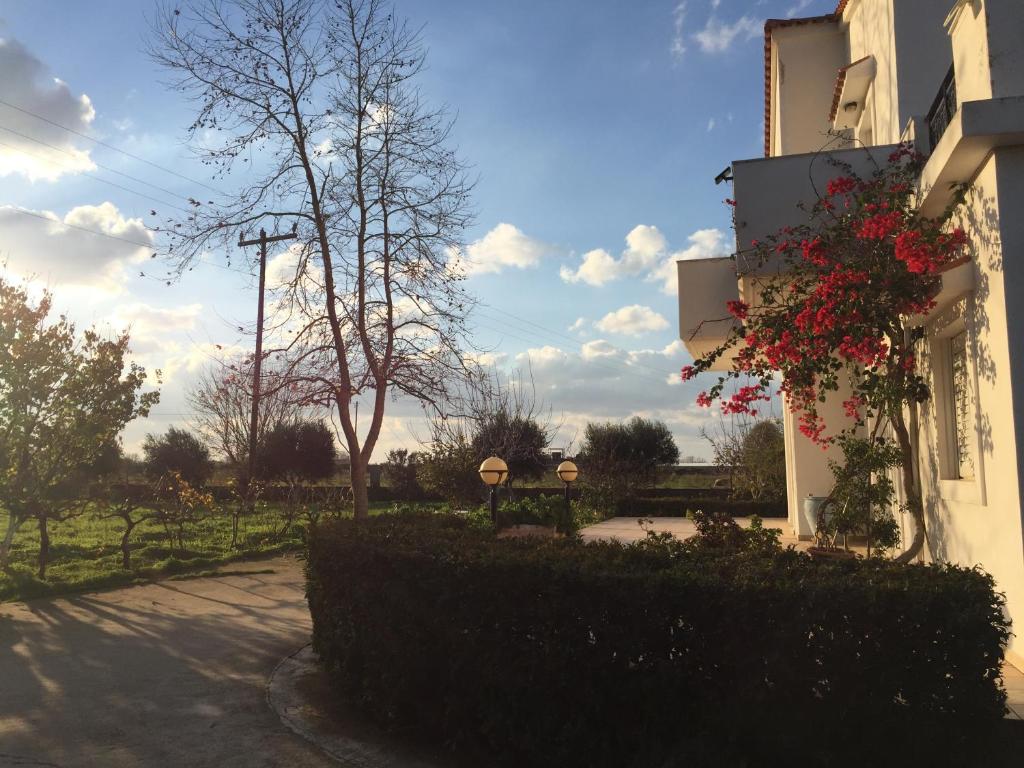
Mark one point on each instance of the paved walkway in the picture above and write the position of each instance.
(174, 673)
(628, 529)
(167, 674)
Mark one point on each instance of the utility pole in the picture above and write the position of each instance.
(258, 360)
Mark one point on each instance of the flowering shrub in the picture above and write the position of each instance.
(838, 310)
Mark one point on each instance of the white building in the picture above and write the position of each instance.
(950, 77)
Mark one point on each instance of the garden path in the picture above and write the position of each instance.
(628, 529)
(165, 674)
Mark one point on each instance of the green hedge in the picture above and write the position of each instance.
(656, 654)
(654, 506)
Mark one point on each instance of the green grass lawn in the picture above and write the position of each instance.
(85, 552)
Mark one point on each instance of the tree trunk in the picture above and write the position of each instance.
(5, 545)
(44, 545)
(914, 501)
(126, 554)
(360, 495)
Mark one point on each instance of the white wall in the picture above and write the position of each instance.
(978, 522)
(870, 30)
(923, 54)
(988, 49)
(806, 60)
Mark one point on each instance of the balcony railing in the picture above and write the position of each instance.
(943, 109)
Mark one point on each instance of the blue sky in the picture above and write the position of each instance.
(585, 122)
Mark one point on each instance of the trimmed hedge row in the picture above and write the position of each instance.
(602, 655)
(658, 506)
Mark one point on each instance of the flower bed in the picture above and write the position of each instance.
(657, 654)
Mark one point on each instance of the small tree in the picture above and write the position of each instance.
(221, 400)
(131, 512)
(617, 458)
(179, 452)
(64, 398)
(298, 453)
(400, 469)
(450, 470)
(761, 473)
(519, 440)
(178, 504)
(835, 303)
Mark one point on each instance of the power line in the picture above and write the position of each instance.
(58, 222)
(108, 146)
(98, 165)
(97, 178)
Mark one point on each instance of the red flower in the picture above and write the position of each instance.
(688, 372)
(704, 400)
(842, 185)
(737, 309)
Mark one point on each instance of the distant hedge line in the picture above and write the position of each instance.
(601, 655)
(661, 506)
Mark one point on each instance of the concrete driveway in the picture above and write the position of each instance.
(167, 674)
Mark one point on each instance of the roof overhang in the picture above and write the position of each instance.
(851, 91)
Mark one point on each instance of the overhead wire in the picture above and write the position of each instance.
(107, 145)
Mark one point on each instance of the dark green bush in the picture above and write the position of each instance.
(674, 507)
(659, 654)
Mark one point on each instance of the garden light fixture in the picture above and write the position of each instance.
(493, 471)
(567, 472)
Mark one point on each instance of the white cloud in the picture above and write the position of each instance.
(55, 251)
(717, 37)
(578, 326)
(644, 246)
(704, 244)
(797, 8)
(27, 83)
(678, 45)
(505, 246)
(634, 320)
(601, 382)
(646, 254)
(596, 268)
(711, 124)
(594, 350)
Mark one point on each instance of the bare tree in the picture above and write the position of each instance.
(315, 104)
(221, 401)
(498, 415)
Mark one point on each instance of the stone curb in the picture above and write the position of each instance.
(288, 695)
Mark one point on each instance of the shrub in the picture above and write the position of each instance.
(179, 452)
(676, 507)
(562, 654)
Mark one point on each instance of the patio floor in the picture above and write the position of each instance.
(629, 529)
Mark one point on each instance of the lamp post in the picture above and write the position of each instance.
(567, 473)
(493, 472)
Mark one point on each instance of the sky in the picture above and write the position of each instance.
(595, 129)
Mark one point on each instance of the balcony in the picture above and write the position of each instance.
(770, 191)
(942, 110)
(705, 285)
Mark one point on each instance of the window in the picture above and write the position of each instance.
(960, 402)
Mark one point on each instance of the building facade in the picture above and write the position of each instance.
(850, 86)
